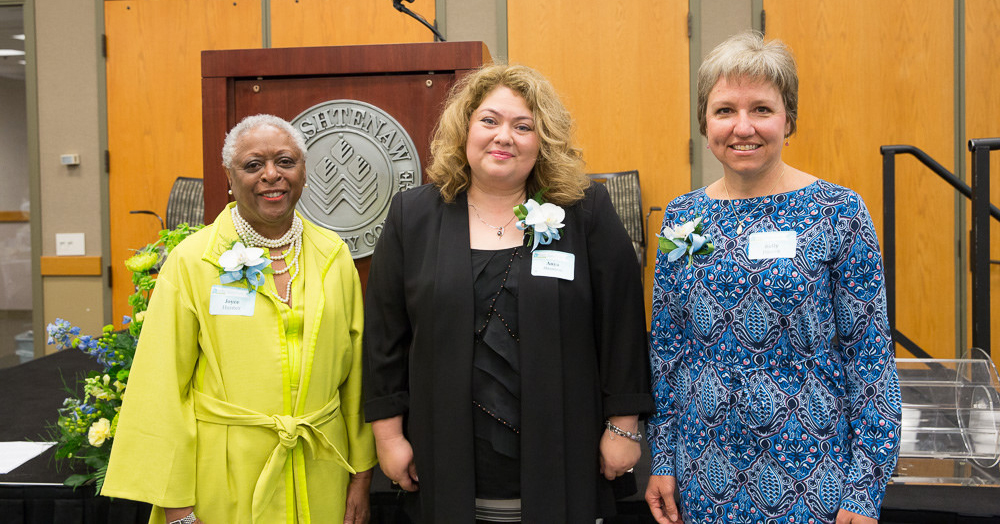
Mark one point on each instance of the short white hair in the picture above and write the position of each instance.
(253, 122)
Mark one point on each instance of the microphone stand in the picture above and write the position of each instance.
(398, 4)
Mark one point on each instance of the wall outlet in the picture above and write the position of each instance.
(70, 244)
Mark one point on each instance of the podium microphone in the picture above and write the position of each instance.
(398, 4)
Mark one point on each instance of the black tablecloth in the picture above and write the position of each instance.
(32, 493)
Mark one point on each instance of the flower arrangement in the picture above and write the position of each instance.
(241, 262)
(86, 426)
(685, 239)
(542, 220)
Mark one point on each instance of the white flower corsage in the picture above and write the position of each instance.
(542, 221)
(244, 262)
(685, 239)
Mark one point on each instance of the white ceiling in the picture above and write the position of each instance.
(11, 23)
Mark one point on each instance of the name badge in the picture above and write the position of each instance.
(772, 244)
(553, 264)
(231, 300)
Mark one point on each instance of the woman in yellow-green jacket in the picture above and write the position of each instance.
(244, 399)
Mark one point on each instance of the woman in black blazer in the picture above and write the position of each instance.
(505, 340)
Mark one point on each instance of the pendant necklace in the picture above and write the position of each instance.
(500, 229)
(741, 219)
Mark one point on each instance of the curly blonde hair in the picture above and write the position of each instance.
(559, 169)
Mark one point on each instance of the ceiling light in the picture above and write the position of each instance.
(11, 52)
(18, 37)
(22, 62)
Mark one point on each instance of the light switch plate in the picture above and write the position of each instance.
(70, 244)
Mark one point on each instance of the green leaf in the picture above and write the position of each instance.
(666, 245)
(76, 481)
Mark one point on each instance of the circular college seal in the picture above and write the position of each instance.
(358, 158)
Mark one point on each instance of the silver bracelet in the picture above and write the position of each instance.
(188, 519)
(615, 430)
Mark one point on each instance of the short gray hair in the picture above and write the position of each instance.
(253, 122)
(746, 55)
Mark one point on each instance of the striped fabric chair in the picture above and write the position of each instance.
(627, 199)
(186, 204)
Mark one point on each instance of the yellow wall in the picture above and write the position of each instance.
(306, 23)
(154, 89)
(622, 70)
(982, 107)
(873, 73)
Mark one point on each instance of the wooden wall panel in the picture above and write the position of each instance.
(301, 23)
(622, 70)
(874, 73)
(154, 88)
(982, 120)
(154, 107)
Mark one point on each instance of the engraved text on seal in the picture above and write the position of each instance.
(358, 158)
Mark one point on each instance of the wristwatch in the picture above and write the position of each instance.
(189, 519)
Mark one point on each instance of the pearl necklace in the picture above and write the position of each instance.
(292, 238)
(500, 229)
(740, 219)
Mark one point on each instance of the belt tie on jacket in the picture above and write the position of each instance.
(291, 431)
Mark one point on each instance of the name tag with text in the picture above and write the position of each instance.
(231, 300)
(553, 264)
(772, 244)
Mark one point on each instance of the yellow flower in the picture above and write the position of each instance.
(142, 261)
(99, 432)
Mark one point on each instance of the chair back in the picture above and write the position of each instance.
(623, 187)
(186, 203)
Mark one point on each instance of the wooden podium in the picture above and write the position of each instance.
(409, 82)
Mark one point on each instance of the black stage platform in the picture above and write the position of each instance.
(33, 493)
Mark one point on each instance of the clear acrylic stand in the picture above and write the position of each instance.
(951, 421)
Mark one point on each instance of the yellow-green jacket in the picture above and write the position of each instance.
(212, 416)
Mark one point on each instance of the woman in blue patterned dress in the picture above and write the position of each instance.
(773, 369)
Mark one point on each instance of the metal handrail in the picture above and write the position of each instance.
(982, 210)
(980, 242)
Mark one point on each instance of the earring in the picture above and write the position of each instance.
(230, 191)
(304, 186)
(786, 143)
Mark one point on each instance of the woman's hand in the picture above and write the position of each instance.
(619, 454)
(395, 455)
(358, 508)
(173, 514)
(660, 497)
(849, 517)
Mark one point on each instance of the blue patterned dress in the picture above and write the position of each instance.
(775, 380)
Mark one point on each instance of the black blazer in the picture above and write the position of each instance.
(583, 353)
